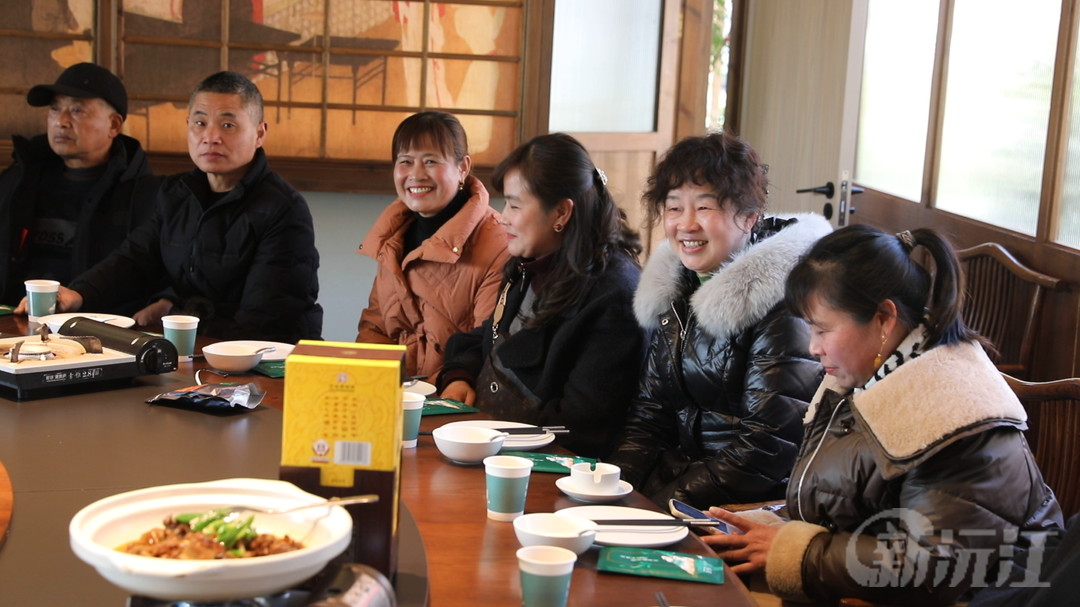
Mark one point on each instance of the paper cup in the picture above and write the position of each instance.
(545, 575)
(601, 481)
(507, 485)
(41, 298)
(180, 330)
(413, 404)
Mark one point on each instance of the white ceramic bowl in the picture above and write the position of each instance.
(232, 357)
(549, 529)
(468, 444)
(98, 529)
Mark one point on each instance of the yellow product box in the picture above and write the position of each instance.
(343, 409)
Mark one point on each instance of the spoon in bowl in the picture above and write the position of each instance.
(370, 498)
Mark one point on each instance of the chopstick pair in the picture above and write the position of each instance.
(534, 430)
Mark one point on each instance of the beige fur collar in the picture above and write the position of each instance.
(938, 394)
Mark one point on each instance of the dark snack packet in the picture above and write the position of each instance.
(212, 398)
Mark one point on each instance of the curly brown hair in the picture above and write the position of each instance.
(718, 159)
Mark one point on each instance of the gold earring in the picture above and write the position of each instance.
(879, 359)
(461, 186)
(558, 227)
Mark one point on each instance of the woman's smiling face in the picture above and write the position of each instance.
(530, 231)
(426, 179)
(702, 230)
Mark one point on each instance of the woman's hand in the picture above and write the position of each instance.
(151, 314)
(460, 391)
(750, 550)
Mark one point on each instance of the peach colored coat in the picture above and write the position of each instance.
(446, 285)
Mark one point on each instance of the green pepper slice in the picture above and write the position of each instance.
(208, 517)
(230, 534)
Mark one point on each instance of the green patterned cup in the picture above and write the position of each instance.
(41, 298)
(180, 330)
(413, 404)
(507, 485)
(545, 575)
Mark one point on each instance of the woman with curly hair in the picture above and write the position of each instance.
(717, 418)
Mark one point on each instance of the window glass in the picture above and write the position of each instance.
(604, 65)
(898, 70)
(475, 30)
(997, 107)
(337, 76)
(1068, 225)
(53, 36)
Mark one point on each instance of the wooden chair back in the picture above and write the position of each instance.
(1003, 303)
(1053, 433)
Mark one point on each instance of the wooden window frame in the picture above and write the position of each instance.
(333, 174)
(894, 213)
(685, 106)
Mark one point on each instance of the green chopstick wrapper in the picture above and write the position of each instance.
(271, 368)
(445, 406)
(661, 563)
(5, 310)
(548, 462)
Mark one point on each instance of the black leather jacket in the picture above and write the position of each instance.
(249, 260)
(718, 417)
(120, 200)
(926, 472)
(579, 370)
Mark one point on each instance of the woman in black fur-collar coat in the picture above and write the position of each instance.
(717, 419)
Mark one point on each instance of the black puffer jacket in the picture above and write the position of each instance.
(121, 200)
(718, 416)
(927, 470)
(249, 258)
(579, 370)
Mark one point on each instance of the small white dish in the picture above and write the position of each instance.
(637, 537)
(55, 321)
(421, 387)
(514, 442)
(233, 357)
(467, 444)
(554, 529)
(566, 486)
(281, 350)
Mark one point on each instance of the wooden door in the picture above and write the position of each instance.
(799, 102)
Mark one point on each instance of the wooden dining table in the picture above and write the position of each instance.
(64, 452)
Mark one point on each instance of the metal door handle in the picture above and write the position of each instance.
(828, 190)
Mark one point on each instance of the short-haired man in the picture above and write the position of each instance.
(233, 241)
(73, 194)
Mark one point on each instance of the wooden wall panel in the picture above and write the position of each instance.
(627, 172)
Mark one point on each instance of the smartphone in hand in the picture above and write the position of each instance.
(682, 510)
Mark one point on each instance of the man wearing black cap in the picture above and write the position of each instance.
(73, 194)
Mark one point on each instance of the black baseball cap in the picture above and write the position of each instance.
(84, 81)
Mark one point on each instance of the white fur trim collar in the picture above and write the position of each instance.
(931, 397)
(741, 292)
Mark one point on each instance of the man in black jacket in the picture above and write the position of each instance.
(73, 194)
(230, 242)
